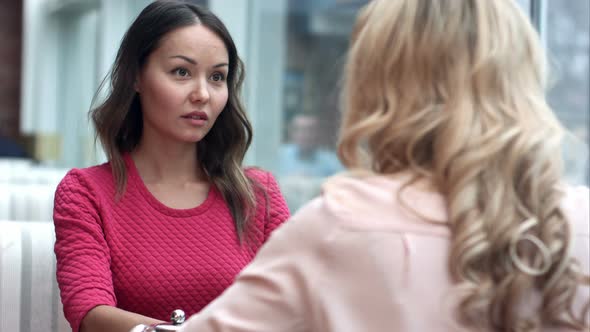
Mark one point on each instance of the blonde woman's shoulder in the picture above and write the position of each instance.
(340, 195)
(368, 200)
(350, 191)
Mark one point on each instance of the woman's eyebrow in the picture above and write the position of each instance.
(194, 62)
(185, 58)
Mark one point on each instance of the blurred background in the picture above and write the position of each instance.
(55, 53)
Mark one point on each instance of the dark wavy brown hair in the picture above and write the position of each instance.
(119, 123)
(453, 91)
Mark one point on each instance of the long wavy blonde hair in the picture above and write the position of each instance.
(453, 92)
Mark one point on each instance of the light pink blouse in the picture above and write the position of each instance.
(355, 259)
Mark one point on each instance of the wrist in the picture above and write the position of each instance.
(140, 328)
(150, 328)
(177, 318)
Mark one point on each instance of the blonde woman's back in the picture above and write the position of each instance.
(386, 269)
(355, 259)
(387, 261)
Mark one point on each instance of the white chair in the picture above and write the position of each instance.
(5, 201)
(28, 202)
(29, 300)
(14, 170)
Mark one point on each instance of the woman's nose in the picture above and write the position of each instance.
(200, 92)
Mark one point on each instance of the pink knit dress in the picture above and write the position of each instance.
(139, 255)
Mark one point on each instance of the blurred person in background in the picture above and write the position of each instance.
(173, 216)
(454, 215)
(304, 162)
(303, 154)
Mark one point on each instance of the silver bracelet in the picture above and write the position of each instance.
(177, 318)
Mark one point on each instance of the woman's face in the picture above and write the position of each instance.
(182, 86)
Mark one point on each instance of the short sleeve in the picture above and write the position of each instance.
(83, 257)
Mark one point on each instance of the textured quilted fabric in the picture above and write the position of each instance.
(142, 256)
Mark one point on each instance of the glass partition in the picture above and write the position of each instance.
(566, 29)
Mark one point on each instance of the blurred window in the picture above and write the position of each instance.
(294, 52)
(566, 29)
(316, 39)
(317, 36)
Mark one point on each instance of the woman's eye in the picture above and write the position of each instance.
(217, 77)
(182, 72)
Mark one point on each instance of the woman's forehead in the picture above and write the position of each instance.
(194, 39)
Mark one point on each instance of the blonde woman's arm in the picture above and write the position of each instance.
(273, 293)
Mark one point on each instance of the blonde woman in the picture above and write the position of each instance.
(453, 217)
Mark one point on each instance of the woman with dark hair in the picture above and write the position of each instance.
(172, 217)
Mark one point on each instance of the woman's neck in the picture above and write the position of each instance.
(175, 164)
